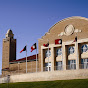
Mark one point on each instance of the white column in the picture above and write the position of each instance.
(48, 58)
(64, 56)
(42, 60)
(52, 59)
(77, 55)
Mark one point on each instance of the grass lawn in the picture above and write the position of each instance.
(80, 83)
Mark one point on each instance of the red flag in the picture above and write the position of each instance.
(33, 47)
(46, 45)
(58, 41)
(24, 49)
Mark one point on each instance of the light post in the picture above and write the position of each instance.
(8, 80)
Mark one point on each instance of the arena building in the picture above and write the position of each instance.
(72, 54)
(67, 49)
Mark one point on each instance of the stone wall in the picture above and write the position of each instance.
(49, 76)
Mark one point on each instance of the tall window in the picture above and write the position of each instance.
(59, 65)
(71, 64)
(59, 51)
(84, 48)
(71, 50)
(84, 63)
(46, 53)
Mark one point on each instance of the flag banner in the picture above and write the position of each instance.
(58, 41)
(46, 45)
(75, 39)
(33, 47)
(24, 49)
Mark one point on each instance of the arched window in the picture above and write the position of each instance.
(46, 53)
(59, 51)
(71, 50)
(84, 48)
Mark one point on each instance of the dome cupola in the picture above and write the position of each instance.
(9, 34)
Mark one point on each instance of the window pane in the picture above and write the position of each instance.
(46, 64)
(84, 48)
(46, 53)
(75, 61)
(81, 61)
(59, 51)
(59, 63)
(71, 50)
(68, 62)
(72, 64)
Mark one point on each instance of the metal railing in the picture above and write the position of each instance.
(60, 67)
(46, 68)
(83, 66)
(71, 67)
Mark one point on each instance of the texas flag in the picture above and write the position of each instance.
(24, 49)
(58, 41)
(33, 47)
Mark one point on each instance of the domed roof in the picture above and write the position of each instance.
(9, 34)
(9, 31)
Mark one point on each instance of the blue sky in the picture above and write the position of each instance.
(31, 19)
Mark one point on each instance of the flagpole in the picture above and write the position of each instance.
(48, 55)
(36, 56)
(62, 55)
(26, 58)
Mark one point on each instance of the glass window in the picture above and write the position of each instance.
(71, 50)
(71, 64)
(81, 61)
(84, 63)
(46, 66)
(59, 65)
(46, 53)
(59, 51)
(84, 48)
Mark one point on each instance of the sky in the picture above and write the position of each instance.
(31, 19)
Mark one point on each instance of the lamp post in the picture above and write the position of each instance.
(8, 80)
